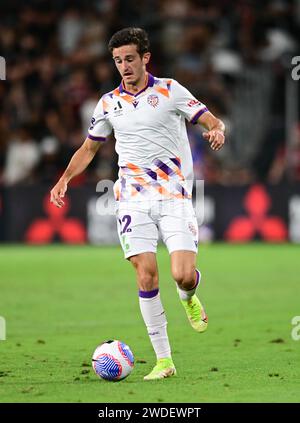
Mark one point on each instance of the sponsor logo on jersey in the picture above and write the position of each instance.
(153, 100)
(118, 111)
(192, 103)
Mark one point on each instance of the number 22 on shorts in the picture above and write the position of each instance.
(125, 220)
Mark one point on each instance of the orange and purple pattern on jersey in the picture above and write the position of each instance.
(163, 180)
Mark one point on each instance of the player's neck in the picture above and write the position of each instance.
(138, 85)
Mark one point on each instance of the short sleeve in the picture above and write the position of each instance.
(186, 104)
(100, 127)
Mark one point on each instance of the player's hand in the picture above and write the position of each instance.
(215, 138)
(58, 192)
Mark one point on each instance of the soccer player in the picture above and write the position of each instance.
(153, 192)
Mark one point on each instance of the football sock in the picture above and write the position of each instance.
(187, 294)
(155, 321)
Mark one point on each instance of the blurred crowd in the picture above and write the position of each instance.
(234, 56)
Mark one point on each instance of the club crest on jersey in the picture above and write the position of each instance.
(153, 100)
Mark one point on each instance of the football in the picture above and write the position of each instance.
(113, 360)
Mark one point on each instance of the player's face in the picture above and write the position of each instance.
(130, 64)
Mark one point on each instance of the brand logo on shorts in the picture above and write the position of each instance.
(153, 100)
(124, 242)
(192, 228)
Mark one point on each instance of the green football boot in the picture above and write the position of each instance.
(164, 368)
(195, 313)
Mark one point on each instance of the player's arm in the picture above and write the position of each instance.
(215, 127)
(195, 112)
(78, 163)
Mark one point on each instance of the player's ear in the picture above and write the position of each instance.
(146, 57)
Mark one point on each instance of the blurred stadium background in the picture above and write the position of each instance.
(235, 56)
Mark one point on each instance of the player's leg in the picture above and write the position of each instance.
(187, 277)
(179, 230)
(153, 313)
(138, 235)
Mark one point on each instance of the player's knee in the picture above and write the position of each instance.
(147, 281)
(185, 278)
(147, 276)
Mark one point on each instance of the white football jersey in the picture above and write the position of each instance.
(151, 139)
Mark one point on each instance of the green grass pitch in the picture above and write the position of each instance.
(60, 302)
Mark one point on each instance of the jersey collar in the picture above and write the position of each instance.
(149, 83)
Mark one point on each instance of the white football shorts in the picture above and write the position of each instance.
(140, 223)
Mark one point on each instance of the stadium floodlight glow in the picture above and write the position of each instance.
(2, 69)
(2, 329)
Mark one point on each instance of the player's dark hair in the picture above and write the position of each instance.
(137, 36)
